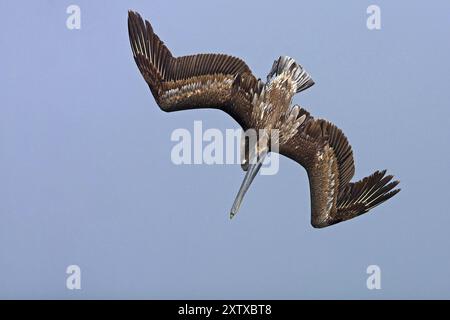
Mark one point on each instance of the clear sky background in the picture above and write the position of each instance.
(86, 176)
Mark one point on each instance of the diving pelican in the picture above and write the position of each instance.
(226, 83)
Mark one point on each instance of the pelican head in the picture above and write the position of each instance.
(253, 152)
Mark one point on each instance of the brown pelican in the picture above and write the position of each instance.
(224, 82)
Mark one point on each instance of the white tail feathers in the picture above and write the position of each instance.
(291, 69)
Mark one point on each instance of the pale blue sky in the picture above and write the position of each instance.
(86, 176)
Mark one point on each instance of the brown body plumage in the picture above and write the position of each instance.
(227, 83)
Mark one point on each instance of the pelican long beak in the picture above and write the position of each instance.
(252, 171)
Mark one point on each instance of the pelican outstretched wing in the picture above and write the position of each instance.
(324, 151)
(197, 81)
